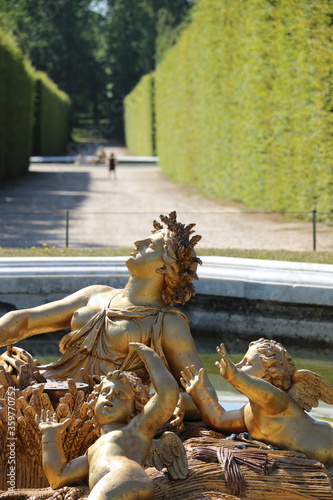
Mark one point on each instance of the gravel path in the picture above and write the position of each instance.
(114, 212)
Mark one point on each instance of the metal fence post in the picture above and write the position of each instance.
(314, 230)
(67, 227)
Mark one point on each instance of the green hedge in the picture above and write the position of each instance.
(16, 109)
(52, 117)
(139, 118)
(244, 103)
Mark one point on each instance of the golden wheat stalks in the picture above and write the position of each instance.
(68, 400)
(6, 378)
(79, 400)
(26, 393)
(72, 387)
(46, 402)
(63, 412)
(70, 435)
(77, 448)
(2, 391)
(30, 414)
(35, 400)
(84, 411)
(22, 403)
(25, 435)
(3, 412)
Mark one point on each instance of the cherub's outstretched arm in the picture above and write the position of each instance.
(58, 472)
(180, 351)
(161, 406)
(272, 399)
(213, 414)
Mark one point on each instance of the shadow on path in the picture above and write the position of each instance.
(115, 211)
(33, 207)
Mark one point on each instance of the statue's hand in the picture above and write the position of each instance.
(143, 350)
(178, 414)
(225, 365)
(192, 379)
(48, 423)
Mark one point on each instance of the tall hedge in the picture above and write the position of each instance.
(16, 109)
(52, 117)
(139, 117)
(244, 103)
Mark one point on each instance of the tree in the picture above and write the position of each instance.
(96, 58)
(133, 28)
(65, 39)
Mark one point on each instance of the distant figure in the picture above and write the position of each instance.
(112, 164)
(78, 160)
(100, 156)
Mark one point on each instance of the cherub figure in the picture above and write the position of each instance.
(128, 420)
(279, 396)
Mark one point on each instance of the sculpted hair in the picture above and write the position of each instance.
(277, 362)
(141, 391)
(180, 260)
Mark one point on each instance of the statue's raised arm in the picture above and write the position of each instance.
(104, 320)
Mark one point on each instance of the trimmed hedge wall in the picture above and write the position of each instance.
(52, 117)
(34, 113)
(244, 103)
(16, 109)
(139, 118)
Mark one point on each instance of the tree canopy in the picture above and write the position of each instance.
(96, 51)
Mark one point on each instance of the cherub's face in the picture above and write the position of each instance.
(147, 255)
(115, 403)
(252, 363)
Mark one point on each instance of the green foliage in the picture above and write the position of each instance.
(139, 120)
(96, 51)
(52, 117)
(130, 45)
(170, 24)
(65, 39)
(281, 255)
(131, 37)
(244, 103)
(16, 105)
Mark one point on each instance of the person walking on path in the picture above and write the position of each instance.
(112, 165)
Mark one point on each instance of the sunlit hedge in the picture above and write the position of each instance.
(244, 103)
(52, 117)
(16, 109)
(139, 120)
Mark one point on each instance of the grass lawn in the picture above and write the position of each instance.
(283, 255)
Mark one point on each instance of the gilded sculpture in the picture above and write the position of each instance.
(104, 320)
(279, 396)
(128, 420)
(93, 431)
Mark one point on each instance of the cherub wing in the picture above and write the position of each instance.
(308, 388)
(169, 452)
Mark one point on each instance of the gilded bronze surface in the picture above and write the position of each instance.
(279, 396)
(104, 320)
(114, 463)
(104, 433)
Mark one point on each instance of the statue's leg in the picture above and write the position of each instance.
(121, 485)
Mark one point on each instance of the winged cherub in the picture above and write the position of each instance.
(279, 397)
(128, 420)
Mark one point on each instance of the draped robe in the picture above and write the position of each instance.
(101, 345)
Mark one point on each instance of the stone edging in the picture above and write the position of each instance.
(252, 279)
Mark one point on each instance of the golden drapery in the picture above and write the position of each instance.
(99, 346)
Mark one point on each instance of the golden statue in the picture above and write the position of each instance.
(104, 320)
(137, 329)
(279, 396)
(128, 420)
